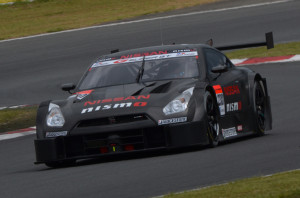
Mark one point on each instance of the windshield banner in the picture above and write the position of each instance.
(147, 58)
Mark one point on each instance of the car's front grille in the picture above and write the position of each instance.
(119, 141)
(104, 143)
(112, 120)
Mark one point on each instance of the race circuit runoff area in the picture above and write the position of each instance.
(237, 62)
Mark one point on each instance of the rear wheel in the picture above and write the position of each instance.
(259, 98)
(213, 124)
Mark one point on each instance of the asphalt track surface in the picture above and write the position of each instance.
(155, 173)
(32, 70)
(160, 173)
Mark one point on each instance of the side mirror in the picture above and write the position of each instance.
(219, 69)
(68, 87)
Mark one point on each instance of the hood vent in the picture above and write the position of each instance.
(164, 88)
(140, 90)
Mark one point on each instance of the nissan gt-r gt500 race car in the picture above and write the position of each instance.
(152, 98)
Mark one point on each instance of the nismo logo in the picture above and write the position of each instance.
(102, 106)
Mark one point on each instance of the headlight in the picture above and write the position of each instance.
(55, 118)
(180, 103)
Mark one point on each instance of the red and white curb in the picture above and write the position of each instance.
(264, 60)
(237, 62)
(19, 133)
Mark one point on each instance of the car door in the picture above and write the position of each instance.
(229, 88)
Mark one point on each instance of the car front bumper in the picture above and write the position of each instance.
(81, 146)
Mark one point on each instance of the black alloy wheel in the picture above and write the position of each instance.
(259, 107)
(213, 124)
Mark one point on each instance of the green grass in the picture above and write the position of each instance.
(42, 16)
(283, 185)
(13, 119)
(279, 50)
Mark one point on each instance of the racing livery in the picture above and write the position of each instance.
(152, 98)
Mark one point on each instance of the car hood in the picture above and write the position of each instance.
(125, 99)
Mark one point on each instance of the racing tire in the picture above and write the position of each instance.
(60, 164)
(213, 128)
(260, 105)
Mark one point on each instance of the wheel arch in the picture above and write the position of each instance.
(256, 77)
(210, 89)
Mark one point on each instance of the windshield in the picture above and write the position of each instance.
(126, 71)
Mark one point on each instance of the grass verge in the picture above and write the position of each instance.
(42, 16)
(283, 185)
(279, 50)
(13, 119)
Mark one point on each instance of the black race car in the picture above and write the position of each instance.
(152, 98)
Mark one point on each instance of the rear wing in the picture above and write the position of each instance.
(269, 43)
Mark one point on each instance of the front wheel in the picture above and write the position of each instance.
(212, 119)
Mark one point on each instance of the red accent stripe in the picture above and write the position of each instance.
(85, 92)
(265, 59)
(218, 89)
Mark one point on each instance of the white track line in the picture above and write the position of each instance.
(151, 19)
(13, 2)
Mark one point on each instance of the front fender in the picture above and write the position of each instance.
(41, 119)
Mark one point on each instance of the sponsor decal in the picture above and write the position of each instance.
(148, 57)
(106, 104)
(82, 94)
(56, 134)
(119, 99)
(235, 106)
(240, 128)
(172, 121)
(105, 59)
(230, 132)
(113, 106)
(144, 54)
(220, 98)
(183, 50)
(154, 53)
(231, 90)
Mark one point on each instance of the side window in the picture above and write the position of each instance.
(215, 58)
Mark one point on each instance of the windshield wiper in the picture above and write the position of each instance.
(141, 71)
